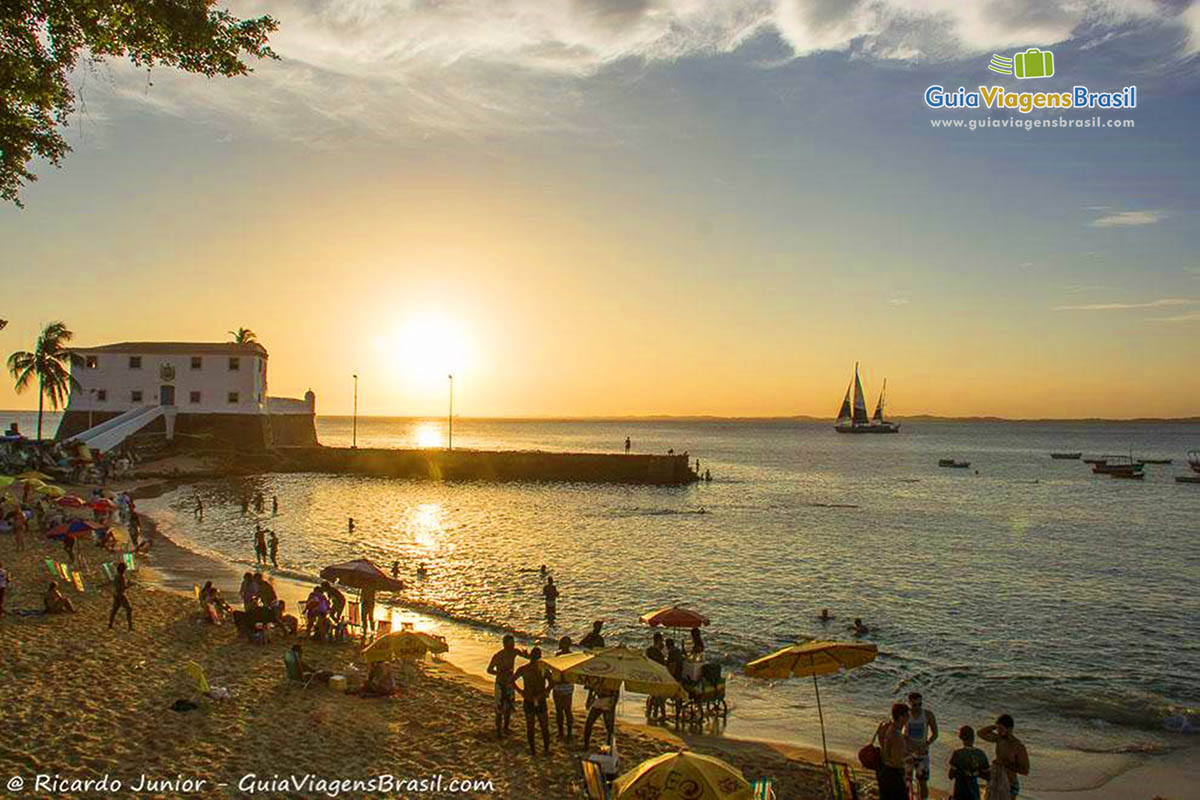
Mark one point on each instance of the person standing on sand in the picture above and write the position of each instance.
(656, 707)
(550, 592)
(892, 742)
(967, 765)
(368, 610)
(501, 666)
(604, 704)
(1011, 754)
(120, 586)
(533, 693)
(273, 549)
(337, 600)
(564, 693)
(921, 730)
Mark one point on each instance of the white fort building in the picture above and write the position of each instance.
(200, 393)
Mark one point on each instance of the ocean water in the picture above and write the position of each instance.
(1024, 584)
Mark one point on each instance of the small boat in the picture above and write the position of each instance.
(1093, 461)
(852, 417)
(952, 464)
(1066, 456)
(1134, 475)
(1154, 461)
(1112, 465)
(1187, 478)
(1194, 460)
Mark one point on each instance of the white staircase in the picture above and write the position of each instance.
(109, 434)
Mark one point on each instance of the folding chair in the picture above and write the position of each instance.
(291, 668)
(52, 568)
(109, 568)
(841, 779)
(77, 581)
(196, 677)
(594, 785)
(130, 561)
(764, 789)
(354, 619)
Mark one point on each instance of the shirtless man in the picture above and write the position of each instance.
(921, 730)
(1010, 751)
(534, 691)
(502, 666)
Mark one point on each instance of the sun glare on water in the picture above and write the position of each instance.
(427, 434)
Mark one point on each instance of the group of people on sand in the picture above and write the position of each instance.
(903, 753)
(262, 608)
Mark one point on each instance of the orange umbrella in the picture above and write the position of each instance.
(674, 617)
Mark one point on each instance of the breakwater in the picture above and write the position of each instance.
(490, 465)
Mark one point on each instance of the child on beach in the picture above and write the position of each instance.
(967, 765)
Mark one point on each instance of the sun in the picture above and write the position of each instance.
(428, 348)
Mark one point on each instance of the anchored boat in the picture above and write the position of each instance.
(1066, 456)
(852, 418)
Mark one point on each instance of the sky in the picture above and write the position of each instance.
(644, 207)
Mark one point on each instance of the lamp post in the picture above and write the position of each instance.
(450, 416)
(354, 419)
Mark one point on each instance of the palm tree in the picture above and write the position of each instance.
(48, 363)
(243, 336)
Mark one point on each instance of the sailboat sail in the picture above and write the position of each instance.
(860, 402)
(878, 415)
(845, 412)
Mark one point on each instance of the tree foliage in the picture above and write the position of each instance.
(48, 365)
(243, 336)
(41, 41)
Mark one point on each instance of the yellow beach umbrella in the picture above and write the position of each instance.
(613, 667)
(683, 776)
(410, 644)
(33, 473)
(812, 658)
(6, 480)
(31, 482)
(51, 491)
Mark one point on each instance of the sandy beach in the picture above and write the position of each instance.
(85, 703)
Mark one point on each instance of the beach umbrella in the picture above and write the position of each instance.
(102, 504)
(34, 475)
(74, 529)
(6, 480)
(674, 617)
(412, 644)
(51, 491)
(683, 776)
(361, 573)
(613, 667)
(71, 501)
(812, 659)
(31, 482)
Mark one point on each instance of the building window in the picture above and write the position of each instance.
(197, 362)
(135, 362)
(233, 397)
(101, 395)
(136, 397)
(90, 362)
(194, 397)
(235, 364)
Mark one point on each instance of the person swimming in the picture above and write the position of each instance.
(825, 615)
(859, 628)
(421, 571)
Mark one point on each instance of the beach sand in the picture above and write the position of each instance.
(83, 702)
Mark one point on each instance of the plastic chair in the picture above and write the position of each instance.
(594, 785)
(841, 778)
(764, 789)
(291, 668)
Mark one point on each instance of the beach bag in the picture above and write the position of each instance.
(999, 787)
(870, 756)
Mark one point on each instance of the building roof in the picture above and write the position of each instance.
(177, 348)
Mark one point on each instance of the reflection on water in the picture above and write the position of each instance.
(1033, 586)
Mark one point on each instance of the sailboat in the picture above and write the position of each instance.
(852, 418)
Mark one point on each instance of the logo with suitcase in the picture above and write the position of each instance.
(1033, 63)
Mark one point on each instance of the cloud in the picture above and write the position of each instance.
(898, 301)
(1191, 316)
(391, 70)
(1124, 219)
(1166, 301)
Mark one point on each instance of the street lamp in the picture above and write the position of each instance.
(354, 419)
(450, 416)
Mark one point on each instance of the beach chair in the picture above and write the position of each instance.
(841, 781)
(77, 580)
(196, 591)
(291, 668)
(130, 561)
(354, 619)
(594, 785)
(109, 569)
(608, 760)
(382, 628)
(763, 789)
(196, 677)
(52, 568)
